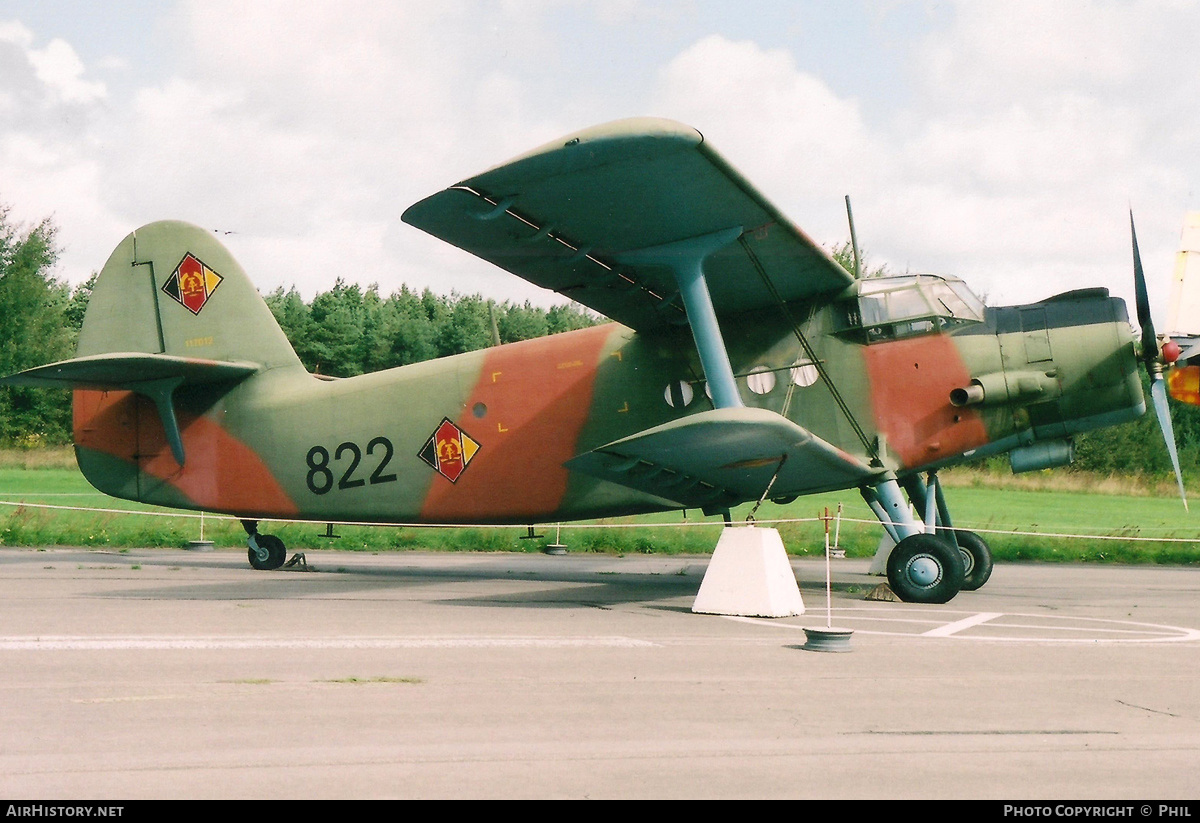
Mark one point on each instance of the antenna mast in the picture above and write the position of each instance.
(853, 240)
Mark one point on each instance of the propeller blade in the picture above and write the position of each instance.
(1158, 389)
(1151, 358)
(1149, 339)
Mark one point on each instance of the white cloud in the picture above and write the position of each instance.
(308, 128)
(756, 102)
(1029, 129)
(59, 67)
(48, 109)
(998, 50)
(41, 86)
(305, 129)
(1044, 122)
(791, 135)
(1022, 134)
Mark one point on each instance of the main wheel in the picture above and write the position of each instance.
(270, 553)
(977, 559)
(923, 568)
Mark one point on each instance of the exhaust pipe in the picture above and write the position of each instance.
(998, 388)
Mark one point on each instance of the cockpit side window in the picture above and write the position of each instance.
(889, 308)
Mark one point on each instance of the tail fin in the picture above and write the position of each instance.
(170, 309)
(172, 288)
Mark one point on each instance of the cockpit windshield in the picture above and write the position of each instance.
(888, 308)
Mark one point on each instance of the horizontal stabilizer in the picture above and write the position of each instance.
(717, 459)
(155, 376)
(125, 370)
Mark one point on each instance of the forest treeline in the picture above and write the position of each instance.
(342, 332)
(350, 330)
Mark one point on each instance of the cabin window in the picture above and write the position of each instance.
(804, 374)
(760, 380)
(678, 394)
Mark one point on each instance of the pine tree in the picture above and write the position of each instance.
(34, 329)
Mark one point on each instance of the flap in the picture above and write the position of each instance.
(563, 215)
(717, 459)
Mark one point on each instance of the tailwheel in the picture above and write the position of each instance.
(266, 551)
(924, 568)
(977, 559)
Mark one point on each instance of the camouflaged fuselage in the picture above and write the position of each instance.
(483, 436)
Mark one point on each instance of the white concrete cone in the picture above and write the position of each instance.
(749, 576)
(879, 561)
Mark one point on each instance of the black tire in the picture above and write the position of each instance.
(924, 568)
(276, 552)
(977, 559)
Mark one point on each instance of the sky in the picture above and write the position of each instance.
(1001, 142)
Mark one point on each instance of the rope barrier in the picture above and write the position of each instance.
(673, 524)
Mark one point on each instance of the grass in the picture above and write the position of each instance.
(1003, 508)
(50, 457)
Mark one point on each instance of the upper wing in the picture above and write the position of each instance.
(563, 216)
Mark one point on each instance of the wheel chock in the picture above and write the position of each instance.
(883, 592)
(299, 562)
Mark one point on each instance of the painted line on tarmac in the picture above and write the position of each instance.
(988, 627)
(966, 623)
(154, 643)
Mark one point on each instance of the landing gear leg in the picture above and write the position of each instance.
(921, 567)
(266, 551)
(977, 556)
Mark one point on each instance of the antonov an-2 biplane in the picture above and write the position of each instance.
(744, 364)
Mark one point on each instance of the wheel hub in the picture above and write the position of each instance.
(968, 561)
(924, 570)
(259, 551)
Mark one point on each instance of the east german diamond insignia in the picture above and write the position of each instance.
(192, 283)
(449, 450)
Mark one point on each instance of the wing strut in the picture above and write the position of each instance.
(685, 259)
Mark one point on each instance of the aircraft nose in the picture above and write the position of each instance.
(1094, 353)
(1069, 365)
